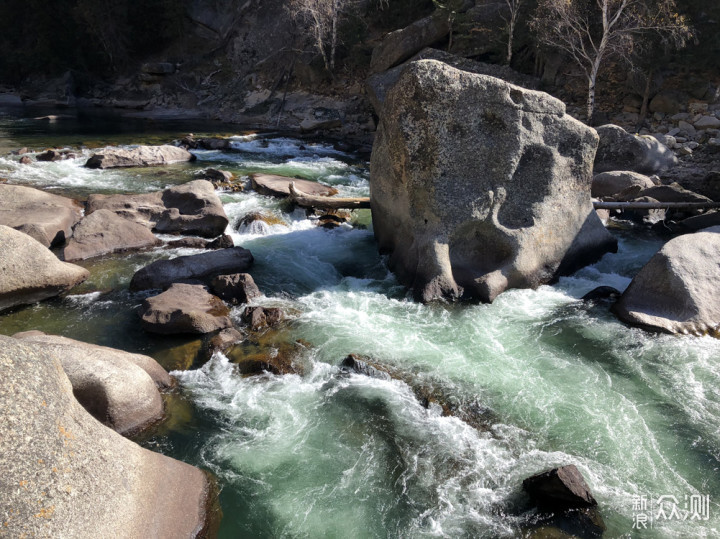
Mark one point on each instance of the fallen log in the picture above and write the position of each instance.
(655, 205)
(327, 203)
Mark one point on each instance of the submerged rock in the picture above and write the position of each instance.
(184, 308)
(192, 208)
(676, 291)
(358, 366)
(119, 389)
(602, 293)
(29, 272)
(142, 156)
(104, 232)
(620, 150)
(200, 267)
(257, 318)
(559, 489)
(279, 186)
(236, 288)
(478, 185)
(64, 473)
(47, 218)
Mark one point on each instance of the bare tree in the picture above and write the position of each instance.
(590, 31)
(511, 23)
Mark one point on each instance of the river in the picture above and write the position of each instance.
(330, 454)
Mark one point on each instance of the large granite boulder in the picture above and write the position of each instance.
(677, 290)
(607, 184)
(29, 272)
(200, 267)
(559, 489)
(108, 383)
(478, 185)
(47, 218)
(192, 208)
(236, 289)
(184, 308)
(103, 232)
(620, 150)
(64, 474)
(142, 156)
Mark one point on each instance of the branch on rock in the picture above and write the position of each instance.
(655, 205)
(327, 203)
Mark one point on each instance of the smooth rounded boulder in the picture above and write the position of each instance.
(478, 186)
(620, 150)
(64, 473)
(30, 272)
(45, 217)
(607, 184)
(142, 156)
(677, 290)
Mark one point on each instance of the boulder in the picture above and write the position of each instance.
(672, 193)
(47, 218)
(601, 293)
(49, 155)
(676, 291)
(29, 272)
(221, 242)
(279, 186)
(468, 174)
(184, 308)
(192, 208)
(108, 383)
(699, 222)
(64, 473)
(142, 156)
(104, 232)
(611, 183)
(401, 44)
(559, 489)
(225, 339)
(620, 150)
(200, 267)
(257, 318)
(707, 122)
(665, 102)
(236, 288)
(354, 363)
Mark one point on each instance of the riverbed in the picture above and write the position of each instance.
(325, 453)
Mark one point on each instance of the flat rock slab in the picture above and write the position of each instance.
(191, 208)
(103, 232)
(184, 308)
(47, 218)
(30, 272)
(279, 186)
(677, 290)
(65, 473)
(200, 267)
(142, 156)
(611, 183)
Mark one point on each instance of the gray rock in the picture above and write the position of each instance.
(467, 175)
(279, 186)
(236, 289)
(400, 45)
(184, 308)
(225, 339)
(666, 102)
(700, 222)
(64, 473)
(108, 383)
(667, 140)
(706, 122)
(620, 150)
(611, 183)
(104, 232)
(559, 489)
(686, 128)
(142, 156)
(200, 267)
(672, 193)
(158, 68)
(29, 272)
(676, 291)
(257, 318)
(192, 208)
(47, 218)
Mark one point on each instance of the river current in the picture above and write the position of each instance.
(331, 454)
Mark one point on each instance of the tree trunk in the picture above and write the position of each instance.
(511, 31)
(646, 99)
(333, 42)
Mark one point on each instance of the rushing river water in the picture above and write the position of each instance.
(330, 454)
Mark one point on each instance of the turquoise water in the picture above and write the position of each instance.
(328, 454)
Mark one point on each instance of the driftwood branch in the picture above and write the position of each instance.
(327, 203)
(655, 205)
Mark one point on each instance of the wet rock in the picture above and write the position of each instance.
(108, 383)
(257, 318)
(357, 365)
(104, 232)
(192, 208)
(225, 339)
(221, 242)
(73, 473)
(25, 160)
(611, 183)
(559, 489)
(221, 179)
(49, 155)
(279, 186)
(602, 293)
(249, 221)
(461, 192)
(620, 150)
(47, 218)
(184, 308)
(268, 352)
(236, 288)
(142, 156)
(29, 272)
(200, 267)
(676, 291)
